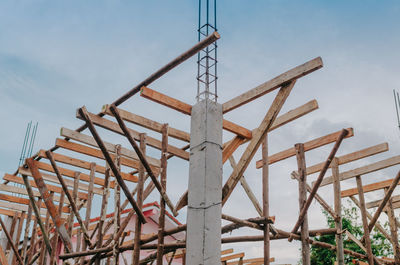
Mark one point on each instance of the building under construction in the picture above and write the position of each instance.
(54, 206)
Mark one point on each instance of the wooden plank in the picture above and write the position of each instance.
(393, 229)
(53, 179)
(310, 145)
(10, 241)
(56, 189)
(373, 150)
(79, 163)
(256, 141)
(82, 149)
(395, 160)
(231, 147)
(368, 188)
(23, 201)
(22, 191)
(187, 109)
(373, 204)
(112, 126)
(148, 124)
(234, 256)
(86, 139)
(273, 84)
(265, 199)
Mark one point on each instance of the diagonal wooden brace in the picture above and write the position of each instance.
(83, 112)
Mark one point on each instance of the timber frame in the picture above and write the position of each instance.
(48, 194)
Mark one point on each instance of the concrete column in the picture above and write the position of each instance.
(203, 235)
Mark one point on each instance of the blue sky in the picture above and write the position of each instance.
(57, 56)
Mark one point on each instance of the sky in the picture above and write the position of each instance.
(58, 56)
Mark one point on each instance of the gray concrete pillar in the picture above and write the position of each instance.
(203, 235)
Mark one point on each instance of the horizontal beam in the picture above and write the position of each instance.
(273, 84)
(367, 188)
(89, 140)
(364, 170)
(376, 203)
(56, 189)
(114, 127)
(148, 124)
(187, 109)
(86, 150)
(370, 151)
(310, 145)
(22, 191)
(24, 201)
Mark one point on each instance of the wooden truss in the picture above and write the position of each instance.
(51, 200)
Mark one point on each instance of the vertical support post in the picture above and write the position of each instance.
(19, 231)
(77, 175)
(12, 229)
(3, 237)
(139, 199)
(54, 255)
(34, 230)
(205, 185)
(364, 220)
(103, 213)
(301, 164)
(26, 233)
(338, 211)
(117, 207)
(3, 226)
(161, 220)
(43, 255)
(265, 194)
(393, 229)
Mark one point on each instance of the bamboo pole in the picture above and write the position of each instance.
(318, 181)
(161, 219)
(301, 164)
(364, 220)
(338, 211)
(265, 196)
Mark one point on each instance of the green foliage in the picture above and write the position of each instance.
(351, 221)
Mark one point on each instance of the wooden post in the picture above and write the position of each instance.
(117, 208)
(304, 210)
(265, 194)
(34, 231)
(161, 220)
(301, 164)
(139, 199)
(54, 255)
(104, 204)
(19, 231)
(74, 200)
(26, 233)
(3, 226)
(37, 213)
(364, 220)
(43, 256)
(338, 211)
(393, 229)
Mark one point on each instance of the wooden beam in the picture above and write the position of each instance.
(310, 145)
(148, 124)
(338, 211)
(395, 160)
(112, 126)
(265, 199)
(231, 147)
(22, 191)
(52, 188)
(86, 139)
(373, 204)
(59, 223)
(373, 150)
(187, 109)
(256, 141)
(368, 188)
(23, 201)
(273, 84)
(82, 149)
(10, 241)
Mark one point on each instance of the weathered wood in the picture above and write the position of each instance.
(73, 206)
(163, 178)
(148, 124)
(22, 191)
(187, 109)
(21, 219)
(301, 164)
(3, 258)
(59, 223)
(86, 139)
(34, 231)
(37, 213)
(369, 188)
(54, 247)
(75, 200)
(388, 194)
(117, 209)
(110, 162)
(231, 147)
(393, 229)
(23, 201)
(26, 233)
(265, 196)
(10, 241)
(139, 198)
(320, 178)
(43, 255)
(153, 142)
(364, 221)
(376, 203)
(279, 81)
(373, 150)
(310, 145)
(338, 211)
(142, 158)
(256, 141)
(365, 169)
